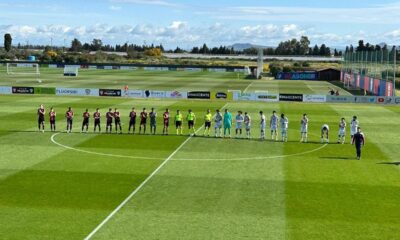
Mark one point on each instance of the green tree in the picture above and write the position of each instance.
(96, 44)
(304, 45)
(7, 42)
(76, 45)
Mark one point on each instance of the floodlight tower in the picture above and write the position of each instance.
(260, 62)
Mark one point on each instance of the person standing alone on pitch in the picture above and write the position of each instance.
(359, 142)
(69, 115)
(41, 112)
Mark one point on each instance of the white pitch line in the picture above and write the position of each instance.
(135, 191)
(247, 88)
(91, 234)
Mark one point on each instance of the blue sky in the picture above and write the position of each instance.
(188, 23)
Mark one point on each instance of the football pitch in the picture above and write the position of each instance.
(111, 186)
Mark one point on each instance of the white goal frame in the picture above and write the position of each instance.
(11, 66)
(71, 70)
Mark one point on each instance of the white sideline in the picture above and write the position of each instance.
(91, 234)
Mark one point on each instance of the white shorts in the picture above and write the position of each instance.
(263, 127)
(218, 125)
(304, 129)
(353, 132)
(248, 127)
(342, 132)
(284, 131)
(274, 128)
(239, 125)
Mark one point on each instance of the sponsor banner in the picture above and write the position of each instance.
(297, 76)
(110, 92)
(314, 98)
(133, 93)
(77, 92)
(291, 97)
(108, 67)
(199, 95)
(237, 96)
(364, 99)
(93, 67)
(23, 90)
(42, 90)
(217, 70)
(53, 66)
(156, 68)
(73, 66)
(153, 94)
(397, 100)
(340, 99)
(5, 90)
(176, 94)
(193, 69)
(388, 100)
(128, 68)
(266, 97)
(221, 95)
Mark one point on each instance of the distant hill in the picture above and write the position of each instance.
(243, 46)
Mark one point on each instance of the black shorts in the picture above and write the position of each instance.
(143, 122)
(117, 121)
(109, 123)
(207, 125)
(40, 120)
(166, 123)
(53, 122)
(132, 122)
(190, 124)
(178, 124)
(97, 122)
(85, 122)
(69, 121)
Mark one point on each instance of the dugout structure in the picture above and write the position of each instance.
(372, 71)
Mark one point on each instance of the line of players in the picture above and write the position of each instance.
(221, 122)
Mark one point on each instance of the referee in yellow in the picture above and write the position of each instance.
(178, 122)
(207, 123)
(191, 118)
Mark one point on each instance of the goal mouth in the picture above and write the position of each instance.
(23, 69)
(71, 70)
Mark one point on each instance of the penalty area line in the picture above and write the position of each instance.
(123, 203)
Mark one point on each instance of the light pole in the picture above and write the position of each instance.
(394, 70)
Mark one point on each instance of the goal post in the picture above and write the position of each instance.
(71, 70)
(23, 69)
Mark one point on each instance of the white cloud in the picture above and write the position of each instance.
(180, 33)
(115, 8)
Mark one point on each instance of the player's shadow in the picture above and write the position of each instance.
(390, 163)
(338, 158)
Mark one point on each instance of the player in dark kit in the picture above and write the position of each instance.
(109, 116)
(153, 124)
(41, 112)
(117, 119)
(166, 122)
(85, 123)
(143, 121)
(52, 116)
(97, 117)
(69, 115)
(359, 142)
(132, 121)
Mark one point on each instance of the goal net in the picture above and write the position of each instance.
(71, 70)
(23, 69)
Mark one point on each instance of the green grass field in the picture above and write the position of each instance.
(163, 80)
(62, 186)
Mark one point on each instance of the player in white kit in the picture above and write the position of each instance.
(218, 124)
(284, 121)
(273, 123)
(263, 125)
(342, 131)
(325, 133)
(239, 124)
(353, 127)
(247, 123)
(304, 128)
